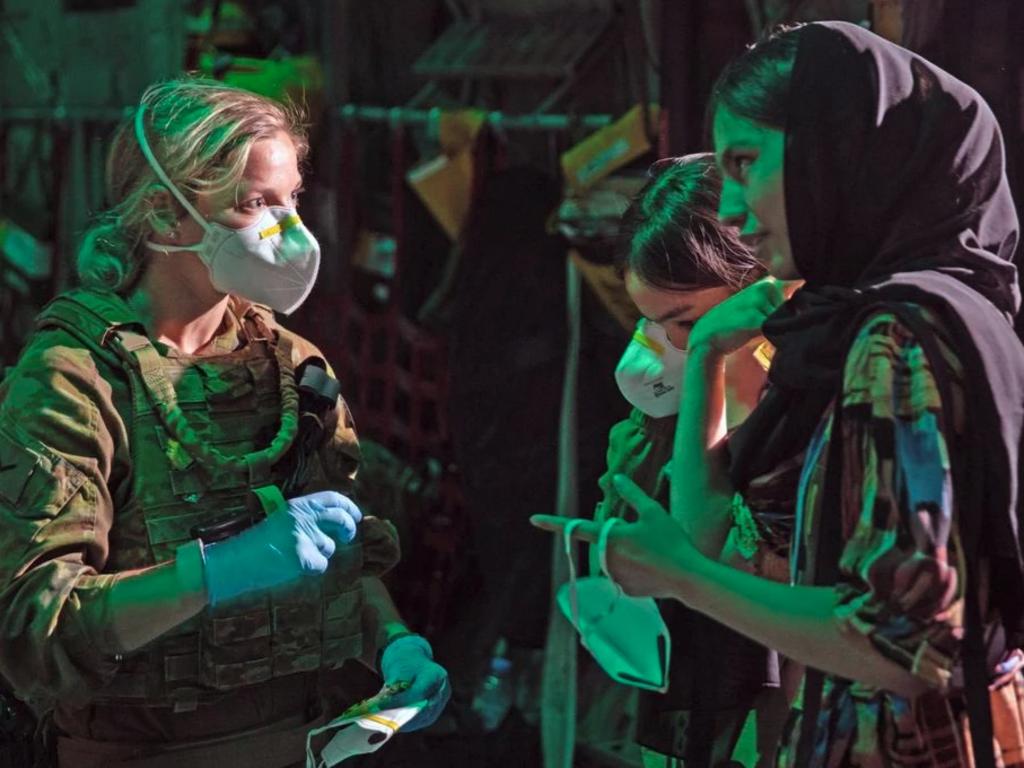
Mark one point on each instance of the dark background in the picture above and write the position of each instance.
(452, 359)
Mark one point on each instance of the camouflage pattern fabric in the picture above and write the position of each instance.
(92, 484)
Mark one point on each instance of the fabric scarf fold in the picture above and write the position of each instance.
(896, 191)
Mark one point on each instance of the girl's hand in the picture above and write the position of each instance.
(732, 324)
(651, 556)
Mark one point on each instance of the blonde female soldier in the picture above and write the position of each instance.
(179, 572)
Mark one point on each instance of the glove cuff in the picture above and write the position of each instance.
(266, 499)
(224, 579)
(211, 560)
(401, 639)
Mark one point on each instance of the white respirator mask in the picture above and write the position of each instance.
(650, 373)
(358, 733)
(273, 261)
(626, 635)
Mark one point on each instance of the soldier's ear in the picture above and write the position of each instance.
(163, 213)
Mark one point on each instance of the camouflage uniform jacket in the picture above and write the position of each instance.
(66, 476)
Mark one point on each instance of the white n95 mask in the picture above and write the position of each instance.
(626, 635)
(650, 373)
(359, 732)
(273, 261)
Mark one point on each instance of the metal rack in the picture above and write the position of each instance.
(513, 48)
(62, 114)
(500, 121)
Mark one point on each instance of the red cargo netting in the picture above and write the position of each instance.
(394, 376)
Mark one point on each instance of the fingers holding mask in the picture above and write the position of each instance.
(644, 556)
(585, 530)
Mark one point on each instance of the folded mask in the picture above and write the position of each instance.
(361, 729)
(626, 635)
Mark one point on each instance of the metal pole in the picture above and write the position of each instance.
(558, 688)
(62, 114)
(530, 122)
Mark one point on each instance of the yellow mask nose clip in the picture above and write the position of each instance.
(289, 221)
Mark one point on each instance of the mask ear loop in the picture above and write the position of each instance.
(602, 546)
(602, 556)
(140, 137)
(602, 549)
(574, 601)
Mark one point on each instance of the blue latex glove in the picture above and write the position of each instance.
(410, 659)
(285, 545)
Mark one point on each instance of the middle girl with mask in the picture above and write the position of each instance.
(678, 261)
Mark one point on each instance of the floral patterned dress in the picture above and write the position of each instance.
(901, 572)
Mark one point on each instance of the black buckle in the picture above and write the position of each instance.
(318, 390)
(223, 528)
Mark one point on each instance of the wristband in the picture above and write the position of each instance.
(270, 499)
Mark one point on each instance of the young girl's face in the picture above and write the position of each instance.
(675, 309)
(751, 157)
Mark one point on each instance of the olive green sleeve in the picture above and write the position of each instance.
(340, 454)
(59, 432)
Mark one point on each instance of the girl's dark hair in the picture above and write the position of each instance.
(671, 235)
(755, 85)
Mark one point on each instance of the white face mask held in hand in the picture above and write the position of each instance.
(626, 635)
(273, 261)
(650, 373)
(361, 729)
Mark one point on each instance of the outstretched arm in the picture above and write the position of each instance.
(654, 556)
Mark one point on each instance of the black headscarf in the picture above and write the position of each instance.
(896, 191)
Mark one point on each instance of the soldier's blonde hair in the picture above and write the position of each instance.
(201, 132)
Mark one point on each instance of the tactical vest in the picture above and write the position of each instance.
(204, 432)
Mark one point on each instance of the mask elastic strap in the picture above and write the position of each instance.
(602, 549)
(140, 136)
(640, 337)
(602, 546)
(574, 602)
(159, 248)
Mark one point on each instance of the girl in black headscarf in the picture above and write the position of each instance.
(898, 384)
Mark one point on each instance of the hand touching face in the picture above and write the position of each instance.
(675, 310)
(736, 321)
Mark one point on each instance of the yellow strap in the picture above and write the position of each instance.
(287, 222)
(642, 338)
(764, 353)
(384, 721)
